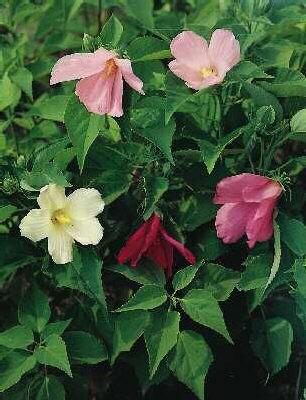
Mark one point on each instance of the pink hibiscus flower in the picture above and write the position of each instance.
(200, 65)
(101, 77)
(151, 240)
(248, 204)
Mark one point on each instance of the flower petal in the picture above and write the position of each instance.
(60, 246)
(131, 79)
(271, 190)
(224, 50)
(95, 92)
(52, 197)
(192, 77)
(83, 204)
(178, 246)
(140, 241)
(232, 219)
(85, 232)
(230, 190)
(191, 50)
(161, 253)
(117, 93)
(80, 65)
(260, 227)
(36, 225)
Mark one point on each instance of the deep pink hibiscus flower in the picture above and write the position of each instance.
(101, 77)
(152, 241)
(248, 204)
(200, 65)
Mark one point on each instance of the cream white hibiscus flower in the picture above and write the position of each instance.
(64, 220)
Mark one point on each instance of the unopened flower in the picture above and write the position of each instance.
(200, 65)
(64, 220)
(152, 241)
(248, 204)
(101, 77)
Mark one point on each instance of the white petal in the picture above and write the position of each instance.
(60, 246)
(52, 197)
(84, 203)
(36, 225)
(85, 232)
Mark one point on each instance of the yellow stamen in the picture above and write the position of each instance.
(60, 218)
(110, 69)
(208, 71)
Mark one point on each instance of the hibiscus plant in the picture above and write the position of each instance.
(152, 199)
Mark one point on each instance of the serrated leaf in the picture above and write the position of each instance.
(155, 187)
(298, 121)
(84, 348)
(161, 336)
(148, 48)
(9, 92)
(277, 254)
(82, 126)
(111, 33)
(128, 327)
(34, 310)
(23, 78)
(190, 361)
(52, 108)
(293, 233)
(55, 327)
(185, 276)
(53, 352)
(146, 298)
(177, 93)
(6, 211)
(256, 273)
(51, 388)
(271, 341)
(141, 10)
(17, 337)
(202, 307)
(13, 367)
(145, 274)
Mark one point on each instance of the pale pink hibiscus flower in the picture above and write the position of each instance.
(200, 65)
(101, 77)
(248, 204)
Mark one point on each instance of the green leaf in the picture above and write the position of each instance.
(17, 337)
(146, 273)
(34, 310)
(51, 389)
(299, 269)
(155, 187)
(161, 336)
(271, 342)
(256, 273)
(23, 78)
(202, 307)
(9, 92)
(111, 33)
(293, 233)
(129, 326)
(177, 93)
(55, 327)
(211, 153)
(141, 10)
(82, 126)
(286, 89)
(84, 348)
(217, 279)
(6, 211)
(185, 276)
(298, 121)
(113, 183)
(148, 48)
(52, 108)
(13, 367)
(190, 361)
(277, 254)
(246, 70)
(53, 353)
(146, 298)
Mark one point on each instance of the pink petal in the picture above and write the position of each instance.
(224, 50)
(232, 219)
(231, 189)
(271, 190)
(190, 50)
(128, 75)
(117, 93)
(192, 78)
(79, 65)
(96, 93)
(178, 246)
(140, 241)
(260, 227)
